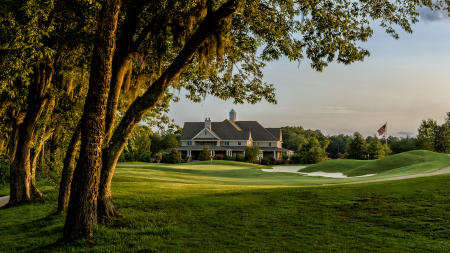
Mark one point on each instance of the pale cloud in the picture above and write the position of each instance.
(337, 110)
(433, 15)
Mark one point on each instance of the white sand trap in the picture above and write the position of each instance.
(295, 169)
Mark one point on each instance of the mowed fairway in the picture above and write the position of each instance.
(235, 207)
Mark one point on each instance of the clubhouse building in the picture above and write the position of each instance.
(230, 137)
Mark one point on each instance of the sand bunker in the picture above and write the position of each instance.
(295, 169)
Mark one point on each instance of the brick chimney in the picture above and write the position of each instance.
(208, 123)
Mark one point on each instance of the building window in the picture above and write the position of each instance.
(270, 144)
(227, 143)
(189, 143)
(239, 143)
(206, 132)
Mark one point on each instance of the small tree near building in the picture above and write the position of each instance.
(205, 154)
(251, 154)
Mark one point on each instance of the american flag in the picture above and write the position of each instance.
(382, 129)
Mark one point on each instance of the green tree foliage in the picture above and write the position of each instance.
(442, 136)
(427, 134)
(338, 145)
(375, 149)
(205, 154)
(294, 137)
(311, 151)
(399, 145)
(174, 156)
(4, 169)
(387, 149)
(139, 145)
(357, 148)
(170, 141)
(251, 154)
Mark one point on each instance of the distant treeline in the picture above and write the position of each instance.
(312, 146)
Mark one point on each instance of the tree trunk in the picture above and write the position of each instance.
(20, 178)
(34, 191)
(149, 100)
(81, 216)
(122, 61)
(67, 173)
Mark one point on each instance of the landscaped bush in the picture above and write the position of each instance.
(172, 157)
(4, 169)
(266, 161)
(205, 154)
(219, 157)
(145, 157)
(239, 158)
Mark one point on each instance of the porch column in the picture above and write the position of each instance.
(275, 155)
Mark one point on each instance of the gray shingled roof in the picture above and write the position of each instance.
(276, 132)
(229, 130)
(259, 133)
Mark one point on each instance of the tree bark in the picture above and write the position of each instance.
(149, 100)
(81, 216)
(20, 171)
(121, 63)
(67, 173)
(34, 191)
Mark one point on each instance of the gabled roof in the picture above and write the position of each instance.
(233, 130)
(226, 130)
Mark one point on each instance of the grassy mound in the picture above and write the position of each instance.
(412, 162)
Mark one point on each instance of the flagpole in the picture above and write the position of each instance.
(386, 134)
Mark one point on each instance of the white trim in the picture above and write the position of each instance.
(201, 131)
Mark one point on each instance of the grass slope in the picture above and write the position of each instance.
(234, 207)
(412, 162)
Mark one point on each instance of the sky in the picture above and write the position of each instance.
(402, 82)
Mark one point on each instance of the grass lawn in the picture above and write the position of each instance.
(234, 207)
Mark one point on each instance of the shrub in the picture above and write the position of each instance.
(219, 157)
(266, 161)
(239, 158)
(205, 154)
(173, 156)
(145, 157)
(4, 169)
(227, 157)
